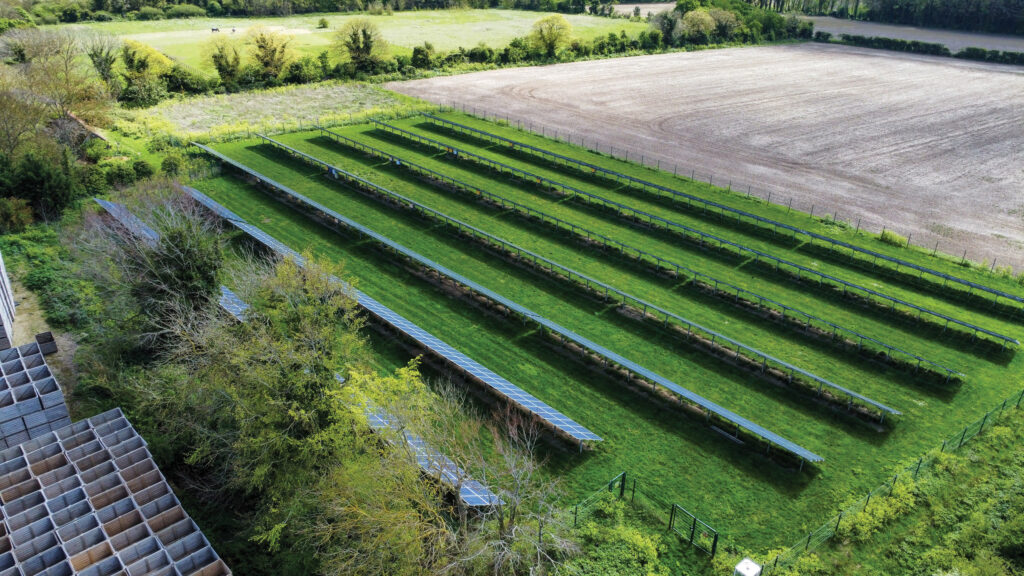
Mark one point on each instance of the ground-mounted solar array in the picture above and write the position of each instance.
(612, 291)
(232, 304)
(472, 368)
(87, 499)
(31, 400)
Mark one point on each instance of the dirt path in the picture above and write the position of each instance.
(953, 39)
(932, 147)
(645, 9)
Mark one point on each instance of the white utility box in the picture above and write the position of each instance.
(747, 567)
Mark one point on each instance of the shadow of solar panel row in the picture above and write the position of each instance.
(433, 463)
(740, 214)
(526, 401)
(31, 400)
(87, 499)
(764, 359)
(129, 221)
(701, 235)
(590, 235)
(234, 305)
(6, 308)
(727, 415)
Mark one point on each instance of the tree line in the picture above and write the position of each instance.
(997, 16)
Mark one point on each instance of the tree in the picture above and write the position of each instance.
(361, 41)
(269, 50)
(102, 50)
(550, 33)
(143, 86)
(44, 183)
(227, 60)
(725, 23)
(685, 6)
(666, 23)
(20, 114)
(15, 215)
(696, 27)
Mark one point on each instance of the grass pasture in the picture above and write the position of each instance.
(185, 40)
(755, 503)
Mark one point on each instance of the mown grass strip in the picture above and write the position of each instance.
(618, 177)
(701, 279)
(693, 232)
(709, 407)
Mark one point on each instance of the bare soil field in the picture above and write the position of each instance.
(645, 9)
(932, 147)
(953, 39)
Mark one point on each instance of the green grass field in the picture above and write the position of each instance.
(186, 40)
(755, 503)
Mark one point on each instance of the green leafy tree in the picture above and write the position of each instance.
(696, 27)
(269, 50)
(227, 60)
(550, 33)
(361, 41)
(44, 183)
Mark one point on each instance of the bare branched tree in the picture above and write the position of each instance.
(20, 114)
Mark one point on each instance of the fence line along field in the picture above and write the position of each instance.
(929, 147)
(423, 181)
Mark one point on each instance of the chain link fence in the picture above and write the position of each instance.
(912, 472)
(927, 241)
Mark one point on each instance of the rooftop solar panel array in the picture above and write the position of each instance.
(765, 359)
(722, 207)
(87, 499)
(6, 308)
(688, 230)
(442, 349)
(129, 221)
(626, 248)
(234, 305)
(31, 401)
(727, 415)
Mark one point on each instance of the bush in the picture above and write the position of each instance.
(93, 180)
(119, 172)
(185, 11)
(143, 90)
(149, 13)
(96, 149)
(142, 169)
(187, 81)
(102, 16)
(214, 8)
(423, 56)
(172, 164)
(304, 70)
(480, 54)
(892, 238)
(323, 24)
(822, 36)
(15, 215)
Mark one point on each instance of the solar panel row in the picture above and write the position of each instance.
(466, 364)
(129, 221)
(618, 176)
(740, 422)
(591, 235)
(232, 303)
(763, 358)
(703, 236)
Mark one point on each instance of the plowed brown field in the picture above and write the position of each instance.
(927, 146)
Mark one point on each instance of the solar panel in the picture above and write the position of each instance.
(628, 364)
(716, 205)
(471, 367)
(435, 464)
(704, 236)
(232, 303)
(591, 235)
(129, 221)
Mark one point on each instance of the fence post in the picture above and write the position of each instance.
(693, 529)
(808, 545)
(916, 470)
(672, 517)
(983, 420)
(866, 502)
(893, 487)
(963, 436)
(714, 545)
(840, 519)
(1019, 399)
(622, 486)
(575, 514)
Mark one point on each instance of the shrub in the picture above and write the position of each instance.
(892, 238)
(119, 172)
(323, 24)
(185, 11)
(480, 54)
(172, 164)
(820, 36)
(15, 215)
(143, 91)
(102, 16)
(304, 70)
(214, 8)
(93, 180)
(149, 13)
(142, 169)
(423, 56)
(187, 81)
